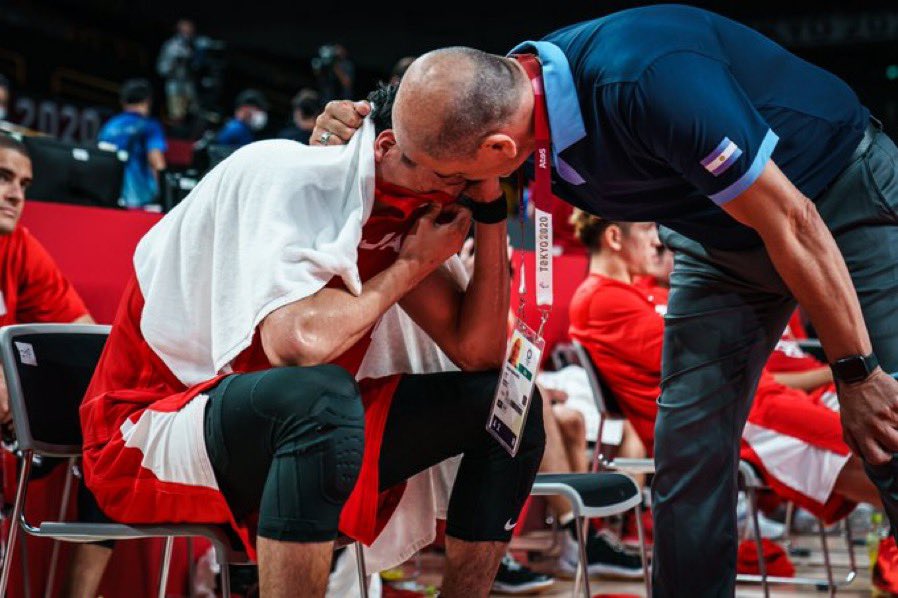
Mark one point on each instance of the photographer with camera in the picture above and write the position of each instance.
(176, 64)
(334, 71)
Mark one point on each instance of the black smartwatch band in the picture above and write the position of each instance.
(490, 212)
(854, 368)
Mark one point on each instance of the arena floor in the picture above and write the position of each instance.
(430, 566)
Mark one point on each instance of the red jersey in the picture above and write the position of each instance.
(32, 289)
(622, 327)
(788, 356)
(131, 379)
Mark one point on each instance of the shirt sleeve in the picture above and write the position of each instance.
(629, 324)
(155, 137)
(45, 295)
(690, 112)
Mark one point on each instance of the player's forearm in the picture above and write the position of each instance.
(324, 326)
(482, 325)
(807, 258)
(808, 380)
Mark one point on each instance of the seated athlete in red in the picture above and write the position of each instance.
(227, 390)
(790, 437)
(34, 290)
(796, 368)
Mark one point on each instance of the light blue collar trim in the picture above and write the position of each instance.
(565, 118)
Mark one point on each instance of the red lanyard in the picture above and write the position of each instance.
(541, 193)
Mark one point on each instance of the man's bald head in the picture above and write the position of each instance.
(451, 99)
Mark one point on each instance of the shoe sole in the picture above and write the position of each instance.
(534, 587)
(568, 571)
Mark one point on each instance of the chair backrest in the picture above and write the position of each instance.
(605, 401)
(48, 368)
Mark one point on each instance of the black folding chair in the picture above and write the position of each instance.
(48, 368)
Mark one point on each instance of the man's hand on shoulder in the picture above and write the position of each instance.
(341, 119)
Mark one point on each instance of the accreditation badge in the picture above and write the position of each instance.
(515, 389)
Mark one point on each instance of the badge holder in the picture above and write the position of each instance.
(511, 403)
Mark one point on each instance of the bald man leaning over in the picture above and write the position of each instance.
(772, 183)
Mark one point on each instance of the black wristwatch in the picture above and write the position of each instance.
(854, 368)
(490, 212)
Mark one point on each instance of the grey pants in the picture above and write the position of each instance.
(726, 312)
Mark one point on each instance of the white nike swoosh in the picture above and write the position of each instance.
(509, 525)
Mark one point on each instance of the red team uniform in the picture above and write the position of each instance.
(32, 289)
(131, 380)
(788, 434)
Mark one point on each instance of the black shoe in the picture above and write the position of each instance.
(606, 555)
(515, 578)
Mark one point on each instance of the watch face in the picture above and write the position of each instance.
(854, 369)
(851, 369)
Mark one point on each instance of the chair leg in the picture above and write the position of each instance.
(363, 573)
(583, 569)
(63, 511)
(642, 550)
(14, 521)
(164, 567)
(790, 515)
(756, 524)
(827, 564)
(224, 572)
(852, 562)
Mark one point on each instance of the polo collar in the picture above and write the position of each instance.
(565, 119)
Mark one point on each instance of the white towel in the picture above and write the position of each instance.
(268, 226)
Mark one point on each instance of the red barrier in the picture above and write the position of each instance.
(93, 247)
(179, 153)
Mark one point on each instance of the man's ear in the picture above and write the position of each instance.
(614, 237)
(499, 142)
(384, 143)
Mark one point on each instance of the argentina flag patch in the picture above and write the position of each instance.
(722, 157)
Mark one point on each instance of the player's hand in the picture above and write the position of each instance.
(483, 191)
(341, 118)
(869, 411)
(436, 236)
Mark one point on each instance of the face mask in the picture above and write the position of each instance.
(258, 120)
(2, 112)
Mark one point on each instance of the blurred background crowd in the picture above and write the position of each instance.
(173, 88)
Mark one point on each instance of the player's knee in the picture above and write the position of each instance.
(326, 393)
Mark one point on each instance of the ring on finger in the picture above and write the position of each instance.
(325, 137)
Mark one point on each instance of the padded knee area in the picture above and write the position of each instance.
(316, 407)
(326, 393)
(342, 461)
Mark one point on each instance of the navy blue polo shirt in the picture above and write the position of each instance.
(665, 113)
